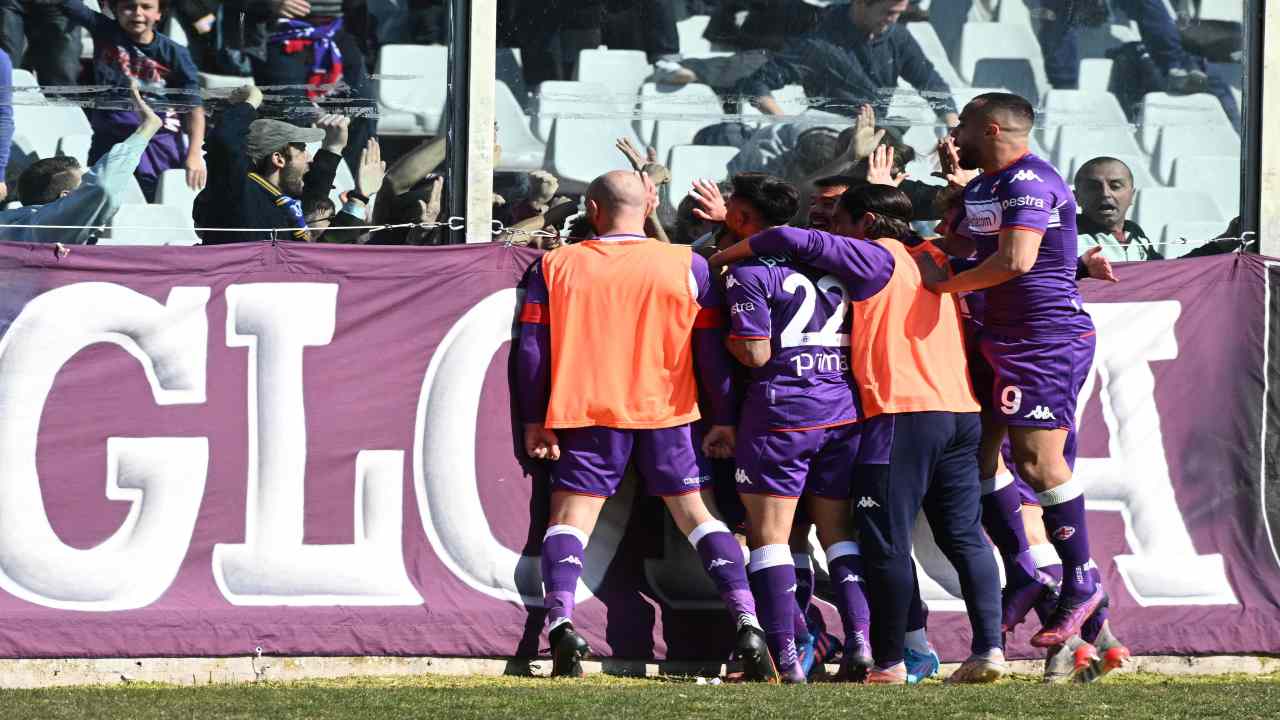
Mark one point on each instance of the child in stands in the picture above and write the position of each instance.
(128, 47)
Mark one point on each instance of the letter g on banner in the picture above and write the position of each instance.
(444, 469)
(163, 478)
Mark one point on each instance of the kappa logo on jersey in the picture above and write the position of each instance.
(866, 502)
(741, 477)
(572, 560)
(1064, 533)
(718, 562)
(1023, 175)
(1040, 412)
(730, 282)
(851, 578)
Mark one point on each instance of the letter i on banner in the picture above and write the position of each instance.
(275, 321)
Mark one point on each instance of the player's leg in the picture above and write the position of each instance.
(592, 461)
(827, 496)
(921, 658)
(799, 541)
(668, 462)
(773, 577)
(954, 508)
(772, 467)
(893, 471)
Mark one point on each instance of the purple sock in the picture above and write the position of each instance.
(1002, 519)
(1093, 626)
(562, 552)
(804, 593)
(847, 581)
(773, 580)
(722, 557)
(1064, 519)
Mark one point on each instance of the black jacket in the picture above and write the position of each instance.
(232, 199)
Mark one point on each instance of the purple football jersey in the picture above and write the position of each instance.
(1045, 301)
(804, 314)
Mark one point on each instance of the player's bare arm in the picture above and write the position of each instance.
(751, 352)
(1014, 257)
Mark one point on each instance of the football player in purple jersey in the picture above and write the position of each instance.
(1018, 218)
(798, 433)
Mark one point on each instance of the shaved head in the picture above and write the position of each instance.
(1011, 112)
(617, 190)
(619, 201)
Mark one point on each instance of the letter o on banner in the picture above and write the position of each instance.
(444, 469)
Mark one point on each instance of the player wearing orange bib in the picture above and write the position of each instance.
(616, 335)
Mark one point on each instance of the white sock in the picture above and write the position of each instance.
(917, 640)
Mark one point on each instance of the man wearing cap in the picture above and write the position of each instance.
(261, 174)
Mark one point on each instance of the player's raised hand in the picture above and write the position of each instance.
(1098, 265)
(709, 203)
(865, 136)
(880, 168)
(541, 443)
(719, 442)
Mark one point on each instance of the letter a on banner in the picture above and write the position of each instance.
(162, 478)
(273, 567)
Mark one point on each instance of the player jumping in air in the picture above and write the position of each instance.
(1019, 216)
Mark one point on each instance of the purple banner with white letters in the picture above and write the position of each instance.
(311, 449)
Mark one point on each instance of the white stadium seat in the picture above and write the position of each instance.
(571, 98)
(1180, 238)
(624, 71)
(1161, 109)
(1180, 141)
(582, 149)
(1095, 74)
(172, 190)
(411, 89)
(1089, 142)
(693, 162)
(791, 97)
(987, 44)
(44, 125)
(690, 30)
(671, 115)
(1142, 177)
(76, 146)
(929, 42)
(1156, 207)
(139, 224)
(1216, 175)
(521, 150)
(1013, 11)
(1079, 108)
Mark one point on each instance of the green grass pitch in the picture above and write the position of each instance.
(1129, 697)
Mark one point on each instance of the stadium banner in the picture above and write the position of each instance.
(311, 450)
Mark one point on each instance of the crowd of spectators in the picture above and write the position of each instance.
(247, 152)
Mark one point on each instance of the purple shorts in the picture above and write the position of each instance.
(1037, 382)
(594, 459)
(794, 462)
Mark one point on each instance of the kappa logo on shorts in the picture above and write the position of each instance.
(866, 502)
(1064, 533)
(1040, 412)
(572, 560)
(792, 589)
(851, 578)
(741, 477)
(718, 562)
